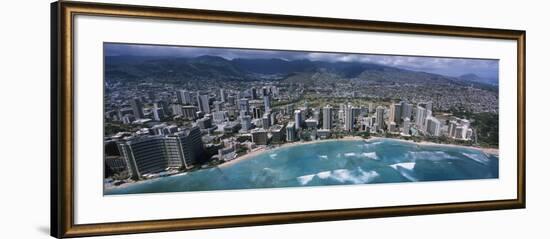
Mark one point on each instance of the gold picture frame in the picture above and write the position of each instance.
(62, 128)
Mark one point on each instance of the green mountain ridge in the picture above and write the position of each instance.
(182, 70)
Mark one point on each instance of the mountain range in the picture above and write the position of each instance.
(180, 70)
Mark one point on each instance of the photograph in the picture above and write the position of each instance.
(278, 118)
(203, 118)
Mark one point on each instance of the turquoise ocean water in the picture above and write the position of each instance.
(331, 163)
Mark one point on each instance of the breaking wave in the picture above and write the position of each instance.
(405, 169)
(303, 180)
(358, 176)
(323, 175)
(408, 165)
(480, 158)
(370, 155)
(374, 143)
(429, 155)
(370, 145)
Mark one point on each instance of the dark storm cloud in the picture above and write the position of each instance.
(438, 65)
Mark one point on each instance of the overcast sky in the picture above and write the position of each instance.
(438, 65)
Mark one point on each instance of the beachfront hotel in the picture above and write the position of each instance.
(152, 154)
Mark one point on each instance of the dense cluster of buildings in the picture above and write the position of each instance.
(167, 131)
(445, 97)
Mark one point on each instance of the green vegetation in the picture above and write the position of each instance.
(485, 125)
(242, 150)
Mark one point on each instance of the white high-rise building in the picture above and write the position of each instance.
(433, 126)
(380, 117)
(452, 128)
(290, 131)
(246, 123)
(222, 95)
(406, 126)
(420, 117)
(342, 113)
(406, 111)
(327, 117)
(460, 129)
(267, 103)
(392, 113)
(184, 97)
(203, 103)
(156, 112)
(395, 113)
(348, 122)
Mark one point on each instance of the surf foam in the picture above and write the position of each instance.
(370, 155)
(478, 158)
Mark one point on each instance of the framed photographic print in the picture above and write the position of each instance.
(173, 119)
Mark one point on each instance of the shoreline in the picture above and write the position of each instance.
(126, 184)
(492, 151)
(266, 149)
